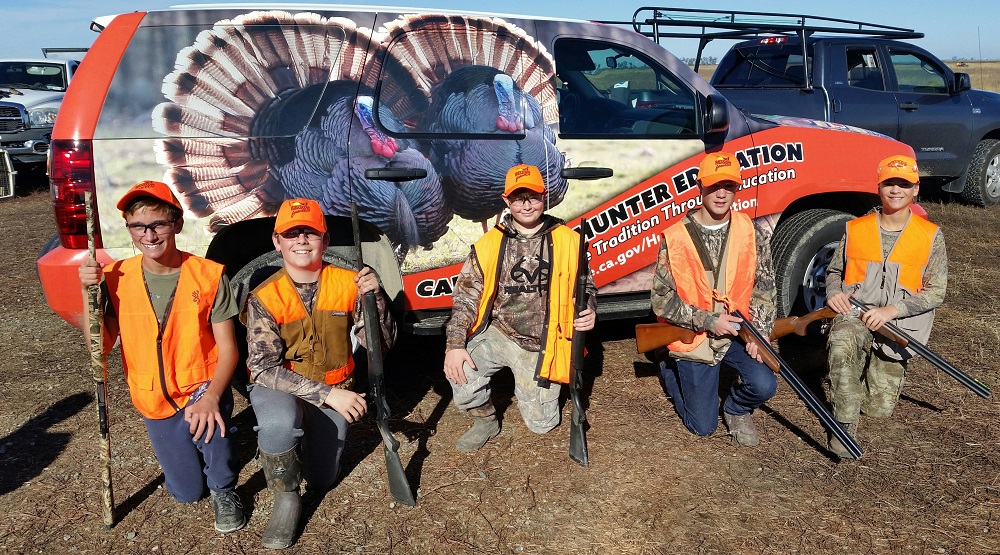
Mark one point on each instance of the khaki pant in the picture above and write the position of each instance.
(491, 351)
(861, 380)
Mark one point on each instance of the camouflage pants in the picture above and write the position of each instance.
(861, 379)
(492, 351)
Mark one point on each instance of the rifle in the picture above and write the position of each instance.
(660, 334)
(577, 434)
(398, 486)
(750, 334)
(798, 325)
(978, 387)
(99, 369)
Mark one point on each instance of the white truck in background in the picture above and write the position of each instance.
(31, 91)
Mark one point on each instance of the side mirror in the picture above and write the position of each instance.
(716, 114)
(962, 82)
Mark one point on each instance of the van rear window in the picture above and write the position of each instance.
(764, 66)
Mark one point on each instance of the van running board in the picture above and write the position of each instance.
(608, 309)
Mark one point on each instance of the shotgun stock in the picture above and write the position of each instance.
(99, 369)
(577, 433)
(398, 485)
(749, 334)
(978, 387)
(653, 336)
(798, 325)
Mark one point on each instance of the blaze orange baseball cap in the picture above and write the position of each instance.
(901, 167)
(153, 189)
(523, 176)
(717, 167)
(300, 212)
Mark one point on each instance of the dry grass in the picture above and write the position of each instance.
(928, 483)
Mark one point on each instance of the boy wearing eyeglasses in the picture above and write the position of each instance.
(173, 312)
(895, 262)
(513, 307)
(300, 323)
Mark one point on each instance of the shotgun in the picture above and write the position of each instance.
(798, 325)
(99, 368)
(398, 486)
(749, 334)
(978, 387)
(577, 434)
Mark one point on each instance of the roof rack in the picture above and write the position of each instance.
(662, 22)
(47, 51)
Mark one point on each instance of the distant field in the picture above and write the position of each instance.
(985, 75)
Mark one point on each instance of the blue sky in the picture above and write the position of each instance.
(961, 28)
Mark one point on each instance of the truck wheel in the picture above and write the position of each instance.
(802, 248)
(982, 188)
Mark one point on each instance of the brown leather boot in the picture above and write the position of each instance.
(485, 426)
(837, 447)
(283, 472)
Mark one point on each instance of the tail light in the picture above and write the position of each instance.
(71, 173)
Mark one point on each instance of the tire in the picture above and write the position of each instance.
(802, 248)
(982, 187)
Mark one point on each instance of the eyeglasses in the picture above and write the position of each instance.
(158, 227)
(526, 199)
(294, 233)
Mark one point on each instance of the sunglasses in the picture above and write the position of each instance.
(294, 233)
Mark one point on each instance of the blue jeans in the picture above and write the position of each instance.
(284, 420)
(694, 387)
(187, 463)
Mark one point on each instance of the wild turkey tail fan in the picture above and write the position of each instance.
(431, 47)
(240, 79)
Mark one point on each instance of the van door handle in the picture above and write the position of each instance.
(909, 105)
(586, 173)
(396, 175)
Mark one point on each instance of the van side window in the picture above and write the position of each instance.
(609, 91)
(476, 97)
(863, 70)
(917, 74)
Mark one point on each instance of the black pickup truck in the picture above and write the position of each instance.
(853, 73)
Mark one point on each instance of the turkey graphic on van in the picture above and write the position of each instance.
(414, 117)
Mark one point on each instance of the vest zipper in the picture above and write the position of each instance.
(159, 340)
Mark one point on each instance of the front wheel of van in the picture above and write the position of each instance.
(802, 248)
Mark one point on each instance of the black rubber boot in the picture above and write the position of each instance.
(484, 427)
(283, 472)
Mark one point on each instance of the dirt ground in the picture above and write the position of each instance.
(927, 484)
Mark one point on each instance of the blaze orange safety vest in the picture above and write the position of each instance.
(317, 345)
(911, 252)
(164, 366)
(557, 332)
(691, 278)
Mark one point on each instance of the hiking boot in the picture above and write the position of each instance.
(283, 472)
(742, 429)
(229, 515)
(837, 447)
(485, 426)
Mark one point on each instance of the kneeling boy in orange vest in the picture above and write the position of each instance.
(173, 312)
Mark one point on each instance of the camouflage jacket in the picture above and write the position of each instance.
(522, 292)
(266, 348)
(668, 305)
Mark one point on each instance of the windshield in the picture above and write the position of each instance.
(31, 75)
(762, 66)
